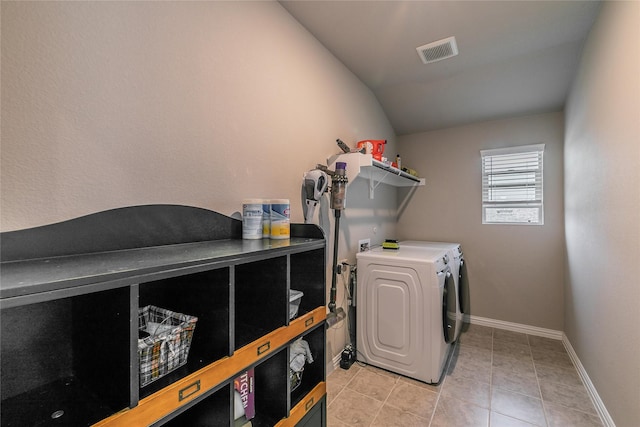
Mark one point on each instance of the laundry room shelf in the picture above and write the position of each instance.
(365, 166)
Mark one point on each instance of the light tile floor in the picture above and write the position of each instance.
(493, 378)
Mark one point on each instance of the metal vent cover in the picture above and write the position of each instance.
(438, 50)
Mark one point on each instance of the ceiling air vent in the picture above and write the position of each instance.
(436, 51)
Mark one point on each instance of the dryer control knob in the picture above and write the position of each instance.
(446, 259)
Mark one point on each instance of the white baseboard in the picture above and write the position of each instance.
(557, 335)
(514, 327)
(591, 389)
(334, 363)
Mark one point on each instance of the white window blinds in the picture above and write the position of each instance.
(512, 185)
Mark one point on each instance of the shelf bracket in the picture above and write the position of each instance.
(373, 187)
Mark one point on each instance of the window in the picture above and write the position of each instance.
(512, 185)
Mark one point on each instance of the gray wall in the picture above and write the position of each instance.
(107, 104)
(110, 104)
(515, 271)
(602, 205)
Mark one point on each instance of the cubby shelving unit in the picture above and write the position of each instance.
(69, 299)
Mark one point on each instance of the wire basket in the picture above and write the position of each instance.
(163, 342)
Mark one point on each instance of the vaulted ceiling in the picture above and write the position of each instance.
(515, 57)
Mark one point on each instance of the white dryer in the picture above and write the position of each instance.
(406, 315)
(458, 269)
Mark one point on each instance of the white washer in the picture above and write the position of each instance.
(406, 314)
(458, 269)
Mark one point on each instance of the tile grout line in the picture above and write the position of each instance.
(441, 386)
(345, 387)
(396, 380)
(558, 383)
(570, 408)
(491, 379)
(395, 384)
(535, 371)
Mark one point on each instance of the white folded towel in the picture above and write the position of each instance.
(299, 353)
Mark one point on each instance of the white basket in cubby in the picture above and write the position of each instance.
(294, 302)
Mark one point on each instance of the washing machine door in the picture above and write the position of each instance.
(449, 312)
(463, 287)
